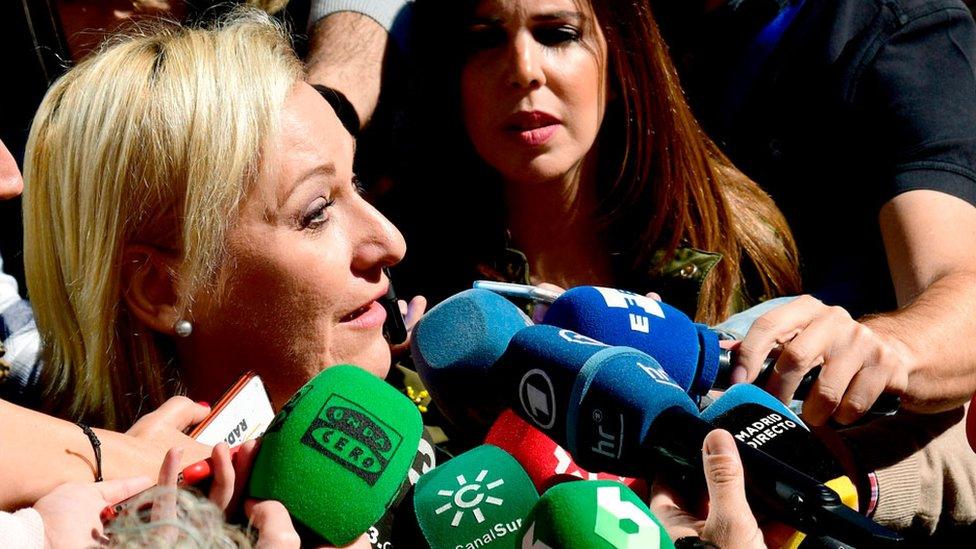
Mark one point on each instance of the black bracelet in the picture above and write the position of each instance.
(343, 108)
(97, 447)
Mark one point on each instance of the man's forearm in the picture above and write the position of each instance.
(937, 334)
(346, 52)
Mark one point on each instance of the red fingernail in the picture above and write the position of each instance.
(204, 403)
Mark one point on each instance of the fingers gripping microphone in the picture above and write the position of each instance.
(758, 419)
(546, 462)
(592, 514)
(345, 432)
(455, 345)
(477, 499)
(688, 351)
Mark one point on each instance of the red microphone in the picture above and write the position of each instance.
(546, 462)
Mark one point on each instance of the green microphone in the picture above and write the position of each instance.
(593, 514)
(338, 452)
(478, 499)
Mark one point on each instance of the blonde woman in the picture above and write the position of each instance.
(190, 214)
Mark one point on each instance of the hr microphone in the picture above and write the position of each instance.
(454, 347)
(344, 433)
(592, 514)
(688, 351)
(546, 462)
(477, 499)
(759, 420)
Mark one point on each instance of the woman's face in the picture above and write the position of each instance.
(534, 87)
(299, 290)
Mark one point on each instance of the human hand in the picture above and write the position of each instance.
(411, 314)
(859, 363)
(163, 429)
(729, 522)
(71, 512)
(276, 530)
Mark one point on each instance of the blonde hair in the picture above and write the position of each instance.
(153, 140)
(189, 521)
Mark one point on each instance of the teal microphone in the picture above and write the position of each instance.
(337, 453)
(597, 514)
(477, 499)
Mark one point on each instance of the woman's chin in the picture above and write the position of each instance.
(374, 358)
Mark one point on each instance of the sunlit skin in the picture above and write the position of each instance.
(299, 291)
(534, 88)
(11, 183)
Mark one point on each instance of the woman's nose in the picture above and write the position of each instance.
(11, 184)
(380, 245)
(526, 70)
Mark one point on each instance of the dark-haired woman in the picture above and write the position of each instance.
(586, 165)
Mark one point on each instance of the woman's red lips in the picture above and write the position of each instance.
(533, 128)
(531, 120)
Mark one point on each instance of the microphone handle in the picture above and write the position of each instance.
(887, 404)
(773, 488)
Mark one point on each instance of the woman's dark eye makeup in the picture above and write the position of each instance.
(317, 213)
(556, 35)
(486, 36)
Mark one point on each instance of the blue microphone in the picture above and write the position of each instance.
(689, 352)
(455, 345)
(538, 371)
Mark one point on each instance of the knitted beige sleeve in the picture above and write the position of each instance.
(925, 469)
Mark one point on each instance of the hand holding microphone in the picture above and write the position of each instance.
(690, 352)
(729, 521)
(858, 362)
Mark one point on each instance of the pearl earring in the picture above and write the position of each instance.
(183, 328)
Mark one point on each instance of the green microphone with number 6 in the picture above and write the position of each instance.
(597, 514)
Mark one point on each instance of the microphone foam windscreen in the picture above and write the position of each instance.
(455, 345)
(477, 499)
(593, 514)
(617, 317)
(538, 371)
(708, 362)
(743, 393)
(546, 462)
(617, 396)
(337, 453)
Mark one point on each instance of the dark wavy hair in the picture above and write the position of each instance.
(663, 182)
